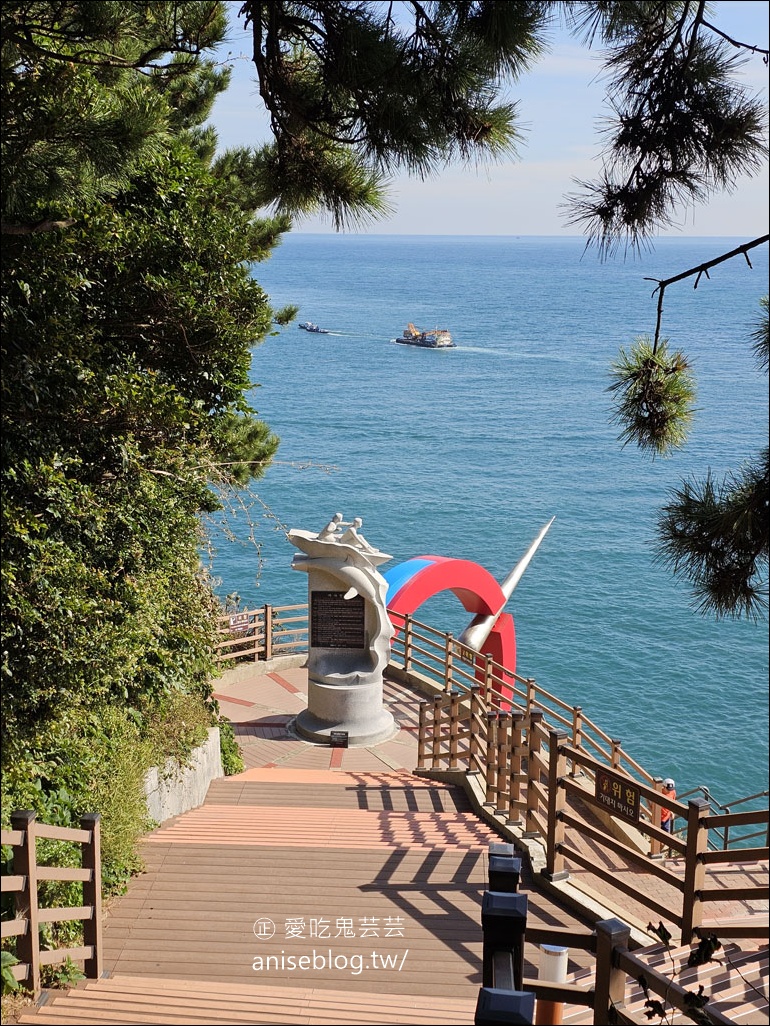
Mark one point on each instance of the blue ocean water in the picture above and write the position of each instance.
(468, 452)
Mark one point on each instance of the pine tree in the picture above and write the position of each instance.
(415, 85)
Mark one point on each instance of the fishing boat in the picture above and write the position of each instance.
(309, 326)
(437, 338)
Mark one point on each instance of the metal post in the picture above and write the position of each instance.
(552, 967)
(503, 921)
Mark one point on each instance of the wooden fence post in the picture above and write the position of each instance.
(25, 864)
(557, 800)
(694, 866)
(610, 985)
(531, 697)
(503, 763)
(422, 735)
(448, 662)
(474, 741)
(435, 761)
(92, 894)
(491, 797)
(487, 676)
(534, 719)
(454, 730)
(615, 756)
(408, 641)
(268, 615)
(577, 736)
(516, 760)
(656, 846)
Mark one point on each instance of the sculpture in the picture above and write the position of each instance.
(350, 633)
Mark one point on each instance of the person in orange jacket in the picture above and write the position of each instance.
(666, 815)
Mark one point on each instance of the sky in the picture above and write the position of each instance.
(560, 106)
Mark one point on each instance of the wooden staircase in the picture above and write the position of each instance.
(735, 981)
(130, 999)
(287, 844)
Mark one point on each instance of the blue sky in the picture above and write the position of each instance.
(560, 103)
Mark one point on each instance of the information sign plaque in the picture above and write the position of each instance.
(336, 622)
(618, 795)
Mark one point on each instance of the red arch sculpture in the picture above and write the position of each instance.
(419, 579)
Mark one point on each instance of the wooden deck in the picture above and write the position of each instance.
(367, 882)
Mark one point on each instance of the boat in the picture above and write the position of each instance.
(309, 326)
(438, 338)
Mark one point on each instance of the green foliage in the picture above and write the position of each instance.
(7, 960)
(355, 93)
(715, 536)
(79, 120)
(654, 394)
(682, 127)
(124, 393)
(232, 760)
(61, 975)
(96, 759)
(760, 337)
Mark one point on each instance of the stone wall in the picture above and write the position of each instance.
(175, 789)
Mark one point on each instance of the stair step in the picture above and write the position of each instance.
(735, 981)
(124, 999)
(360, 829)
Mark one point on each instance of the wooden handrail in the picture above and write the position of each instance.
(538, 795)
(22, 883)
(513, 754)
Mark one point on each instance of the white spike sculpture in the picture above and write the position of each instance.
(480, 627)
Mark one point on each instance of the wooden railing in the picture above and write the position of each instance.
(505, 989)
(456, 669)
(23, 883)
(533, 779)
(262, 633)
(536, 755)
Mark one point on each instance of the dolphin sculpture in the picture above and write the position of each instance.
(478, 630)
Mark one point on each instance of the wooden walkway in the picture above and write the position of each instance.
(321, 885)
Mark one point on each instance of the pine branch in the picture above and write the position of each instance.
(700, 270)
(734, 42)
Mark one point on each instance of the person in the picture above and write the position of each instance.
(666, 815)
(330, 532)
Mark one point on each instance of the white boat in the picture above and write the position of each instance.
(437, 338)
(309, 326)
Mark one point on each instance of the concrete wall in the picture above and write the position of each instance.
(176, 789)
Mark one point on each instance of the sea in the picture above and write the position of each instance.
(468, 452)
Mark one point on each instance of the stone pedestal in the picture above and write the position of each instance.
(350, 632)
